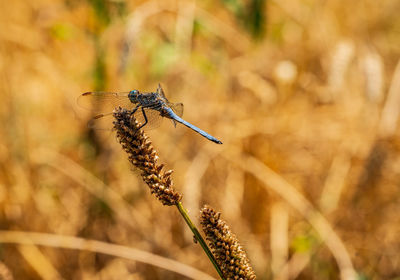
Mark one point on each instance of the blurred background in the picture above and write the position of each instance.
(304, 94)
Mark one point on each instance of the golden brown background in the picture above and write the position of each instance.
(305, 96)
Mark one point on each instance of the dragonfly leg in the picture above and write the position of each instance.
(145, 118)
(134, 110)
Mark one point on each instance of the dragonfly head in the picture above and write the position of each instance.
(133, 95)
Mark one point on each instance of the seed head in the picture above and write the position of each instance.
(227, 251)
(143, 156)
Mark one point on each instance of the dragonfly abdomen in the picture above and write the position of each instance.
(167, 112)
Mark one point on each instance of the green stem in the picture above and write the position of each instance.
(198, 237)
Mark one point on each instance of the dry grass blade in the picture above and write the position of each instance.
(5, 273)
(374, 77)
(39, 262)
(70, 242)
(194, 174)
(335, 183)
(92, 184)
(276, 183)
(391, 110)
(279, 240)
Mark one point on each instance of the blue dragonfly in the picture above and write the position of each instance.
(149, 108)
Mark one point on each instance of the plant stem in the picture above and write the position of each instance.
(198, 237)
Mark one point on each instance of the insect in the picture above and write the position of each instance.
(149, 107)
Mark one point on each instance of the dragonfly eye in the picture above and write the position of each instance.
(134, 92)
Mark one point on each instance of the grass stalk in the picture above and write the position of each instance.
(198, 237)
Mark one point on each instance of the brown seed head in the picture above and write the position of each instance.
(143, 156)
(227, 251)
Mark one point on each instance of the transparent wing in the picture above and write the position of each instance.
(160, 91)
(101, 122)
(105, 121)
(154, 118)
(177, 108)
(104, 102)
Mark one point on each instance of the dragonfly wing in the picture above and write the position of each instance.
(101, 122)
(105, 121)
(153, 117)
(177, 108)
(160, 91)
(104, 101)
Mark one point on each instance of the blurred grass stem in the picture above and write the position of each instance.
(71, 242)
